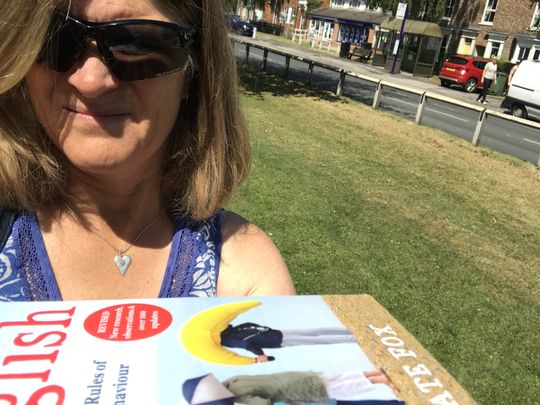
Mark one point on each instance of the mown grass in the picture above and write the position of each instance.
(444, 235)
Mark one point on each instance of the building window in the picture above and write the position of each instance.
(496, 49)
(523, 53)
(354, 35)
(493, 48)
(466, 46)
(357, 4)
(489, 12)
(338, 3)
(322, 29)
(449, 9)
(536, 55)
(535, 22)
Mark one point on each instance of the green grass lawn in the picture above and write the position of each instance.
(446, 236)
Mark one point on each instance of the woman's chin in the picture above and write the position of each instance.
(99, 166)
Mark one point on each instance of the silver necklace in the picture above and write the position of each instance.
(122, 260)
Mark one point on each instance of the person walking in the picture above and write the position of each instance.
(489, 77)
(510, 76)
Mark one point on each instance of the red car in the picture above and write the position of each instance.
(465, 71)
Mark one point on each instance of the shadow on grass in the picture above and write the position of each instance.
(255, 81)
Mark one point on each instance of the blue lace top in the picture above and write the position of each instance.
(192, 268)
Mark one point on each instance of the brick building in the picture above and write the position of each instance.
(506, 28)
(345, 21)
(290, 16)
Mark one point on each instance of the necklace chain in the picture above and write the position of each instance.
(122, 260)
(123, 252)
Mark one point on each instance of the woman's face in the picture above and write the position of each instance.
(101, 124)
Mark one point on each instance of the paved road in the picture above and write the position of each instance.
(506, 137)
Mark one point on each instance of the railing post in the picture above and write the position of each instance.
(378, 94)
(287, 63)
(421, 108)
(247, 53)
(310, 73)
(479, 125)
(342, 75)
(265, 59)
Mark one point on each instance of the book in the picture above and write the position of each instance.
(185, 350)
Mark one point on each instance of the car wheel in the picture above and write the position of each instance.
(445, 83)
(470, 86)
(519, 111)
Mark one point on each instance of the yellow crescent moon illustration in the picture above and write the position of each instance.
(201, 334)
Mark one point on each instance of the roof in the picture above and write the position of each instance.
(498, 36)
(413, 27)
(527, 41)
(344, 15)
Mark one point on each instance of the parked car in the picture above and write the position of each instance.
(523, 97)
(238, 25)
(465, 71)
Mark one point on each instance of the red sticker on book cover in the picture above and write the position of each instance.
(127, 322)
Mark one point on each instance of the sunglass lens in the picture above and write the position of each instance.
(62, 47)
(141, 51)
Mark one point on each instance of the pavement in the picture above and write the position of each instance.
(377, 72)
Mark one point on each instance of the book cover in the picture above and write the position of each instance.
(183, 351)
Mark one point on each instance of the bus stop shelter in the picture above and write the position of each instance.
(418, 53)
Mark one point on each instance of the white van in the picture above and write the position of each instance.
(523, 97)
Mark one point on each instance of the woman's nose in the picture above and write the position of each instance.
(92, 78)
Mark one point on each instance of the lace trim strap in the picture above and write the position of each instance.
(36, 268)
(192, 267)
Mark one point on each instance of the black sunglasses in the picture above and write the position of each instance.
(131, 49)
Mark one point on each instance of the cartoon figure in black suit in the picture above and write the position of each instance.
(254, 338)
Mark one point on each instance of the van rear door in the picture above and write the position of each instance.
(525, 88)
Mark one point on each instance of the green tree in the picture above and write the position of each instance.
(536, 23)
(426, 10)
(313, 4)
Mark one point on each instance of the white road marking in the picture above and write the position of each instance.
(531, 141)
(400, 101)
(448, 115)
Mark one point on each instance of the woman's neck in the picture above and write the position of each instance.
(117, 199)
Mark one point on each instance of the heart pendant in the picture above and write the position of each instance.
(122, 262)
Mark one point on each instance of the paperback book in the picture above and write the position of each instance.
(184, 351)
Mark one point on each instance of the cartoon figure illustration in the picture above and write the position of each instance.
(208, 334)
(288, 387)
(254, 338)
(200, 336)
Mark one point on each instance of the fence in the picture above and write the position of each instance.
(477, 135)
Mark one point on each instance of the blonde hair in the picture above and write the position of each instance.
(209, 150)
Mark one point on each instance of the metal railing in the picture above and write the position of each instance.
(380, 85)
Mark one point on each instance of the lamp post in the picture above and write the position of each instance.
(401, 13)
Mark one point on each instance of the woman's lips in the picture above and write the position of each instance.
(97, 115)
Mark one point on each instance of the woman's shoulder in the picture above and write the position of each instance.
(250, 262)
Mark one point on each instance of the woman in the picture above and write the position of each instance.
(121, 140)
(489, 76)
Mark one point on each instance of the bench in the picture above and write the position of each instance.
(363, 54)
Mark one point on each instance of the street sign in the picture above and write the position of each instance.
(401, 10)
(401, 14)
(396, 47)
